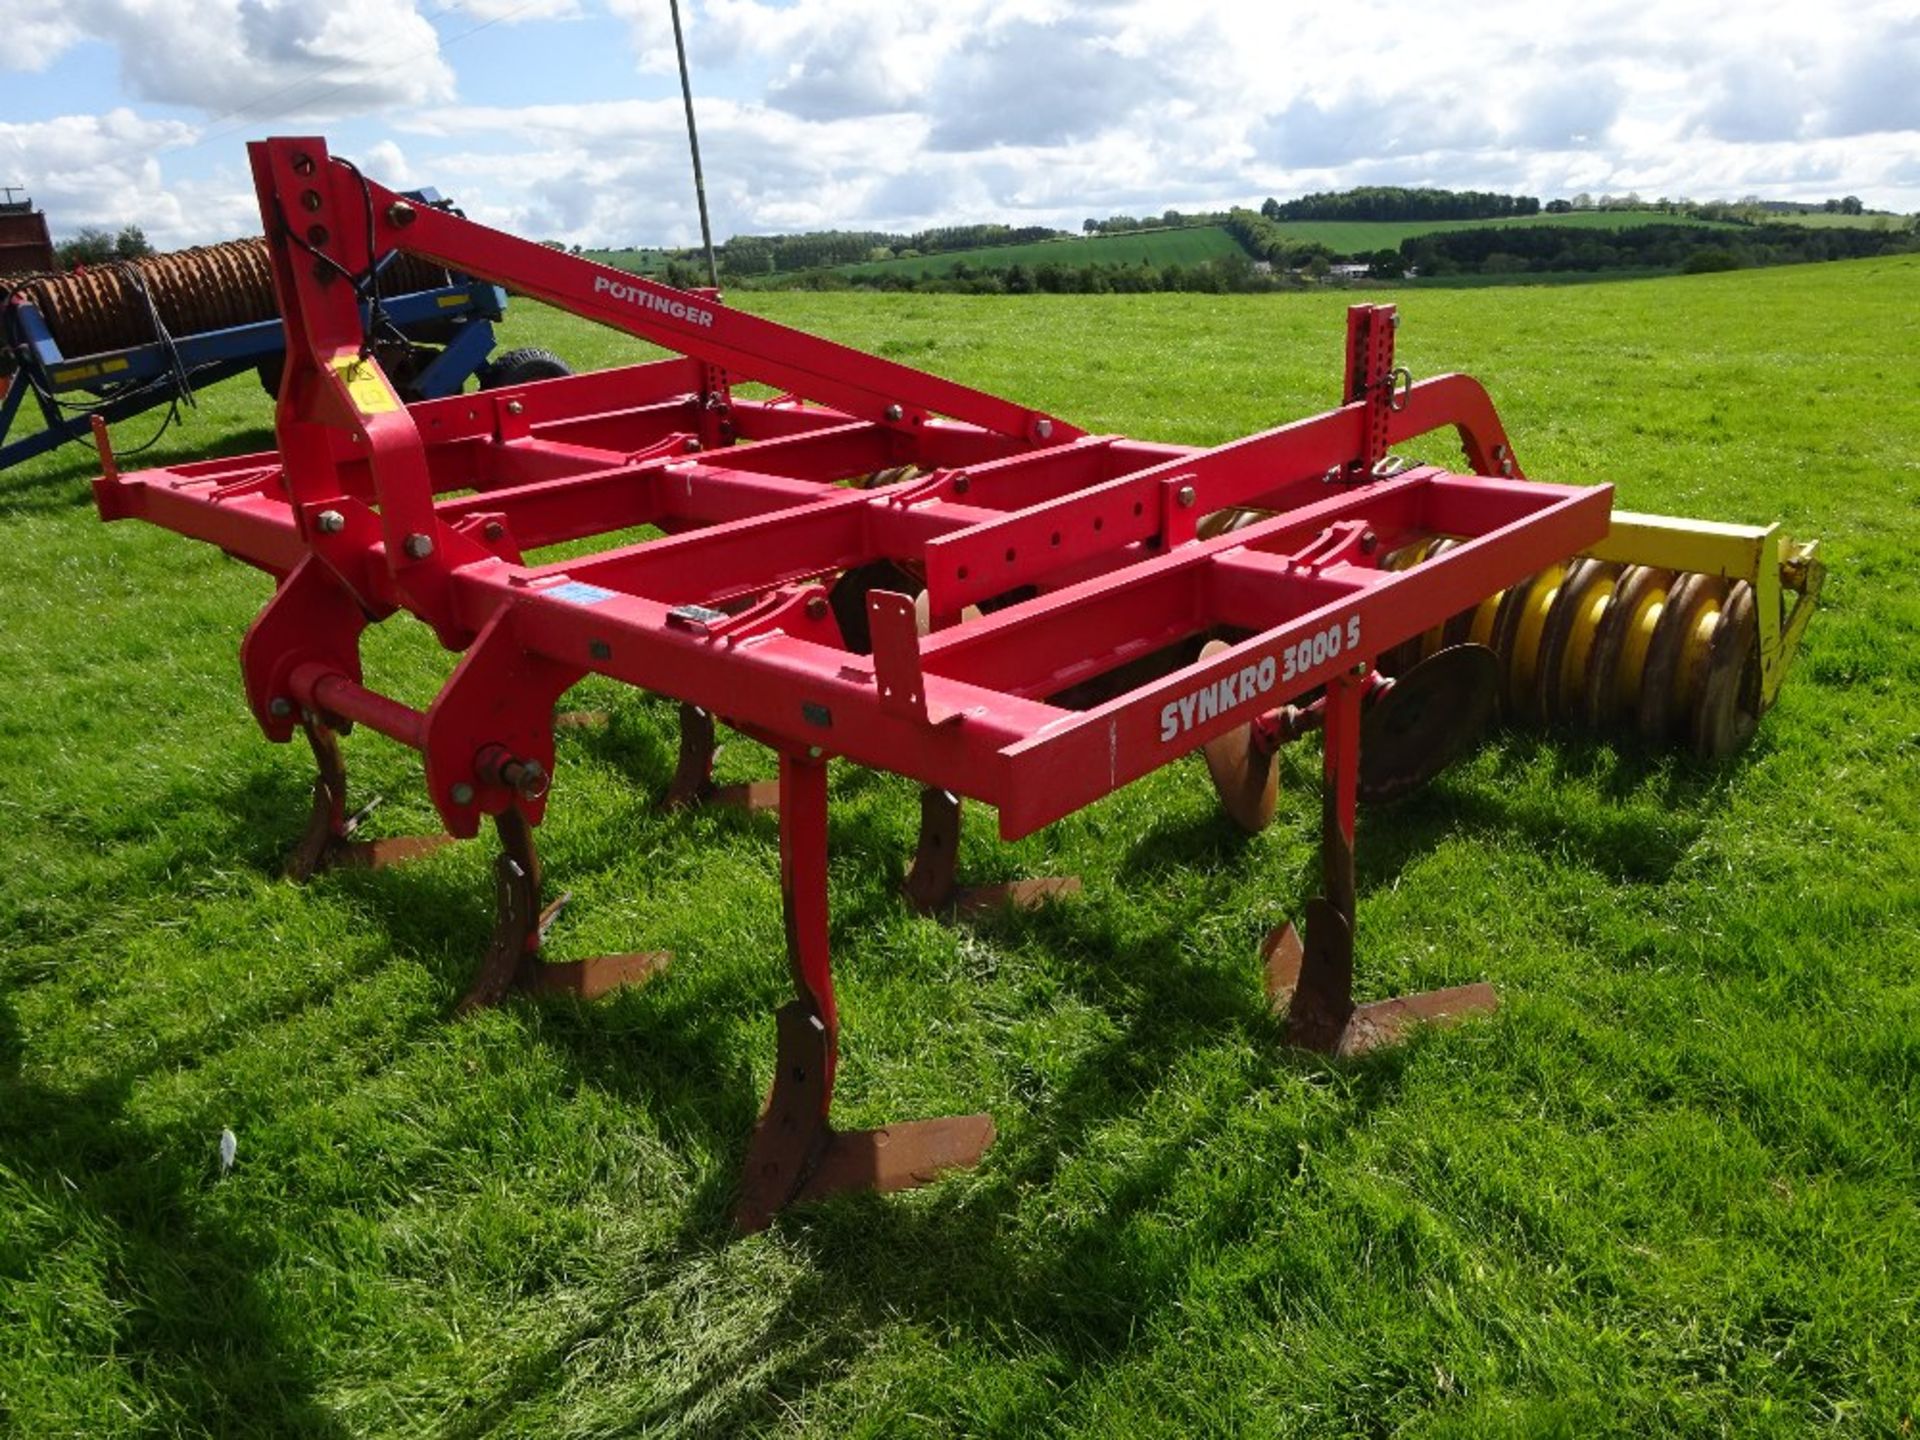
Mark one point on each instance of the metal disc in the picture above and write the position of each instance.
(1243, 770)
(1668, 654)
(1630, 595)
(848, 597)
(1552, 700)
(1727, 710)
(1426, 720)
(1509, 621)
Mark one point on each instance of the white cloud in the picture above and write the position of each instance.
(246, 58)
(105, 170)
(861, 113)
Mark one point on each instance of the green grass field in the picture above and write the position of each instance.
(1821, 220)
(1670, 1189)
(642, 260)
(1186, 246)
(1361, 237)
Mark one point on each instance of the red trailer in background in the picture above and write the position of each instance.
(25, 246)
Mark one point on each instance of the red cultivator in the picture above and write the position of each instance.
(825, 619)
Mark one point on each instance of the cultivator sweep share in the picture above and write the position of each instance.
(997, 605)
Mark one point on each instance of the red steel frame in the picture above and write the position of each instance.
(1087, 542)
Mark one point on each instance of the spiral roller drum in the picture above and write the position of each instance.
(210, 287)
(1608, 643)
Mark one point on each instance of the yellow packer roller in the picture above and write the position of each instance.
(1677, 630)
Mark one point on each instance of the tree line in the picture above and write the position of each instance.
(90, 245)
(746, 256)
(1546, 249)
(1394, 202)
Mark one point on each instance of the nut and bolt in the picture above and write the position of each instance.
(417, 546)
(814, 752)
(692, 445)
(817, 608)
(1368, 542)
(462, 793)
(493, 530)
(1185, 496)
(1044, 429)
(894, 412)
(514, 407)
(399, 213)
(280, 707)
(962, 484)
(527, 778)
(330, 522)
(1359, 671)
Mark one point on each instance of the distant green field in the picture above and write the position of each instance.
(1354, 237)
(1188, 246)
(1821, 220)
(643, 260)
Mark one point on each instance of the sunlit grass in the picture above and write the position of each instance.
(1670, 1188)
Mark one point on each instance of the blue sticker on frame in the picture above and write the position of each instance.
(578, 592)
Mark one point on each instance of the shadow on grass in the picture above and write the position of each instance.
(945, 1260)
(1625, 843)
(61, 480)
(942, 1260)
(190, 1323)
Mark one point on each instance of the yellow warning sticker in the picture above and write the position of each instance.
(366, 386)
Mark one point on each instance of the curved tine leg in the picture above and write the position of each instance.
(520, 925)
(1312, 980)
(692, 782)
(796, 1155)
(931, 885)
(327, 843)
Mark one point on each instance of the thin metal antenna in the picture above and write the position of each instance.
(693, 143)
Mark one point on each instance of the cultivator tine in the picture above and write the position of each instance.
(1310, 979)
(693, 783)
(520, 925)
(796, 1156)
(328, 842)
(932, 886)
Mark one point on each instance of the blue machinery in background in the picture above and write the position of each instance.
(116, 381)
(120, 383)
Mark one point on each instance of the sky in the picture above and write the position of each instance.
(562, 119)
